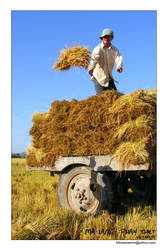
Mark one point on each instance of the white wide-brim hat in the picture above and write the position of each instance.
(106, 32)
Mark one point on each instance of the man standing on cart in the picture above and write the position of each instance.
(102, 62)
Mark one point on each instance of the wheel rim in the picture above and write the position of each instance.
(83, 194)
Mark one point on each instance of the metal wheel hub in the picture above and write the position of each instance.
(83, 194)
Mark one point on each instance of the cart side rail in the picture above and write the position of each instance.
(97, 163)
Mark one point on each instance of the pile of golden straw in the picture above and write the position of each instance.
(75, 56)
(107, 124)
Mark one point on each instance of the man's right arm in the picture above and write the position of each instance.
(94, 60)
(90, 71)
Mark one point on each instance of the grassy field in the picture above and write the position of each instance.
(36, 213)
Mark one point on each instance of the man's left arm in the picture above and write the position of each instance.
(119, 62)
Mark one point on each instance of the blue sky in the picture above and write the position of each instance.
(38, 37)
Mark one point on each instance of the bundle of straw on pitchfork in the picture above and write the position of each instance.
(76, 56)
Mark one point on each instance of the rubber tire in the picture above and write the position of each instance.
(101, 179)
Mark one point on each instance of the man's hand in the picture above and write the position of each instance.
(119, 70)
(90, 71)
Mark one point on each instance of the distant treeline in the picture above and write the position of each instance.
(19, 155)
